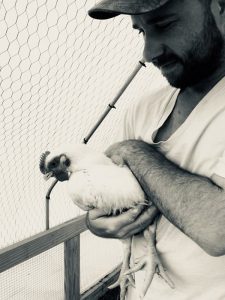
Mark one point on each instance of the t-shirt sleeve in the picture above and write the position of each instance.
(124, 132)
(220, 166)
(218, 176)
(137, 114)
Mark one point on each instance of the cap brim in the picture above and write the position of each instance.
(102, 14)
(107, 9)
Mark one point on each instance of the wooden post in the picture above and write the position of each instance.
(72, 269)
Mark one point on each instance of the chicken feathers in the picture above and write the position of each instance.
(94, 181)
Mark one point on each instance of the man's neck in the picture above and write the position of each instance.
(187, 100)
(200, 89)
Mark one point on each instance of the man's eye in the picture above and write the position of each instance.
(163, 25)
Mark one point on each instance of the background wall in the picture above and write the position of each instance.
(59, 69)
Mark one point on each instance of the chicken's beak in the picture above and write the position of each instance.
(47, 176)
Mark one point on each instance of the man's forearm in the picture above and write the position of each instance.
(191, 202)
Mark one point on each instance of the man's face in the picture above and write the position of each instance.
(183, 40)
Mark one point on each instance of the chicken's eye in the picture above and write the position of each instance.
(53, 164)
(67, 162)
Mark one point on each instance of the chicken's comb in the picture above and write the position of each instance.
(42, 162)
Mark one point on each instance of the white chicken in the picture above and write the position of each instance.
(94, 181)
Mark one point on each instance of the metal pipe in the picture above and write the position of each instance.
(47, 200)
(117, 97)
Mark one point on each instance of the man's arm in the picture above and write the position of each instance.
(192, 203)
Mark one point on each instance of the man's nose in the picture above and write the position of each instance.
(152, 49)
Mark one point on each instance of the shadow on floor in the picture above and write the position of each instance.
(111, 295)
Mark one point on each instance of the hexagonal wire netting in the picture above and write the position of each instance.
(59, 70)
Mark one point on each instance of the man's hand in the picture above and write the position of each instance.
(118, 152)
(122, 226)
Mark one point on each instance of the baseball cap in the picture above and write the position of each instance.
(106, 9)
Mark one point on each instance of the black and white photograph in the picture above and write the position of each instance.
(112, 152)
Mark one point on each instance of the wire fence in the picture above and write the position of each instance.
(59, 69)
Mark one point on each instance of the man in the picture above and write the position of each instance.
(175, 146)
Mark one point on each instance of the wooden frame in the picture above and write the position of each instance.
(69, 234)
(30, 247)
(101, 288)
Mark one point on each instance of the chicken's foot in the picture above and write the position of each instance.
(124, 280)
(150, 262)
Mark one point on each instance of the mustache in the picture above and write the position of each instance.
(164, 59)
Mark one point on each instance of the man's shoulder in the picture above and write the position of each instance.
(156, 97)
(147, 108)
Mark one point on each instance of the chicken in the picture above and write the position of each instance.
(94, 181)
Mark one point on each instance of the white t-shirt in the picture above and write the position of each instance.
(198, 146)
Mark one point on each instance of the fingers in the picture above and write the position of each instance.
(110, 226)
(122, 226)
(143, 221)
(112, 148)
(129, 216)
(118, 160)
(115, 152)
(93, 221)
(96, 213)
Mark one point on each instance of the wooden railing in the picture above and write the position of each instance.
(69, 234)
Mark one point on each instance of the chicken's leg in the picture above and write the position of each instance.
(124, 280)
(150, 262)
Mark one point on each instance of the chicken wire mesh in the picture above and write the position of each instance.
(59, 69)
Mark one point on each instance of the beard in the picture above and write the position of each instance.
(203, 57)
